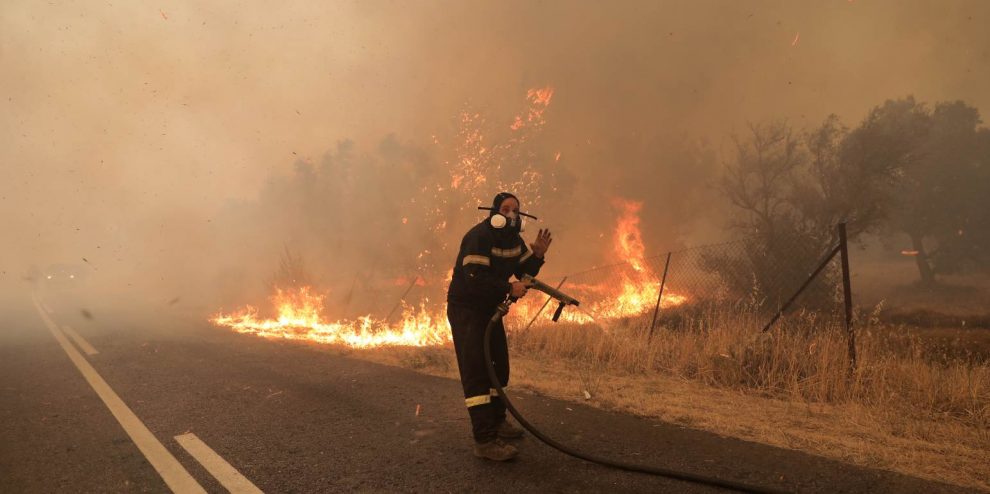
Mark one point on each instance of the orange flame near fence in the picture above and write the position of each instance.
(300, 310)
(635, 291)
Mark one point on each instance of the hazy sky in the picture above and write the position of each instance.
(127, 125)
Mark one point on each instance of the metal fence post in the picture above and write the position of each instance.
(821, 266)
(656, 310)
(401, 299)
(847, 296)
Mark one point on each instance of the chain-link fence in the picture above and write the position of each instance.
(770, 279)
(670, 289)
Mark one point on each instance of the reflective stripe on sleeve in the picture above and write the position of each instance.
(482, 260)
(525, 256)
(506, 253)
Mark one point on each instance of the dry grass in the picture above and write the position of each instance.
(906, 407)
(805, 360)
(847, 432)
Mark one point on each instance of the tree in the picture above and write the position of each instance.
(957, 162)
(759, 181)
(841, 184)
(763, 182)
(792, 190)
(940, 164)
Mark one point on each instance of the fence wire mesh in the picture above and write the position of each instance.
(742, 275)
(747, 275)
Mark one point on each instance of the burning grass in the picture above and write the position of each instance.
(910, 406)
(300, 317)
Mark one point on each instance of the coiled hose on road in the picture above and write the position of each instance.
(502, 310)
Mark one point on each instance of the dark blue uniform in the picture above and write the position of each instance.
(487, 259)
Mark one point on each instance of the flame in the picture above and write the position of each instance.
(403, 281)
(300, 318)
(539, 100)
(633, 294)
(540, 96)
(639, 285)
(473, 171)
(628, 239)
(300, 310)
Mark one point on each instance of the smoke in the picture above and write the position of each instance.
(170, 145)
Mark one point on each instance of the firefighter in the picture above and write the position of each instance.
(491, 252)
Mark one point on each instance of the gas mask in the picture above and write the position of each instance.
(511, 222)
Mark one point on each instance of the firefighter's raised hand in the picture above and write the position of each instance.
(519, 289)
(542, 243)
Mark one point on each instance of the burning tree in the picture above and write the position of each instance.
(337, 207)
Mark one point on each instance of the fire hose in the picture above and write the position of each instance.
(566, 300)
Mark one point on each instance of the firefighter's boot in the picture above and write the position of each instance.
(495, 450)
(509, 431)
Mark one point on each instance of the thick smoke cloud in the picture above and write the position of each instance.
(165, 144)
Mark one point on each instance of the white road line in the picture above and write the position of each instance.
(80, 342)
(229, 477)
(47, 308)
(171, 471)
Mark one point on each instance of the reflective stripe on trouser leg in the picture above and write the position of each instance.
(478, 400)
(468, 329)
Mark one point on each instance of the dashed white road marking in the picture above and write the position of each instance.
(229, 477)
(80, 342)
(47, 308)
(171, 471)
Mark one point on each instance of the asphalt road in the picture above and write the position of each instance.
(291, 417)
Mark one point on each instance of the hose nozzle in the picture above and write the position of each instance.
(560, 296)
